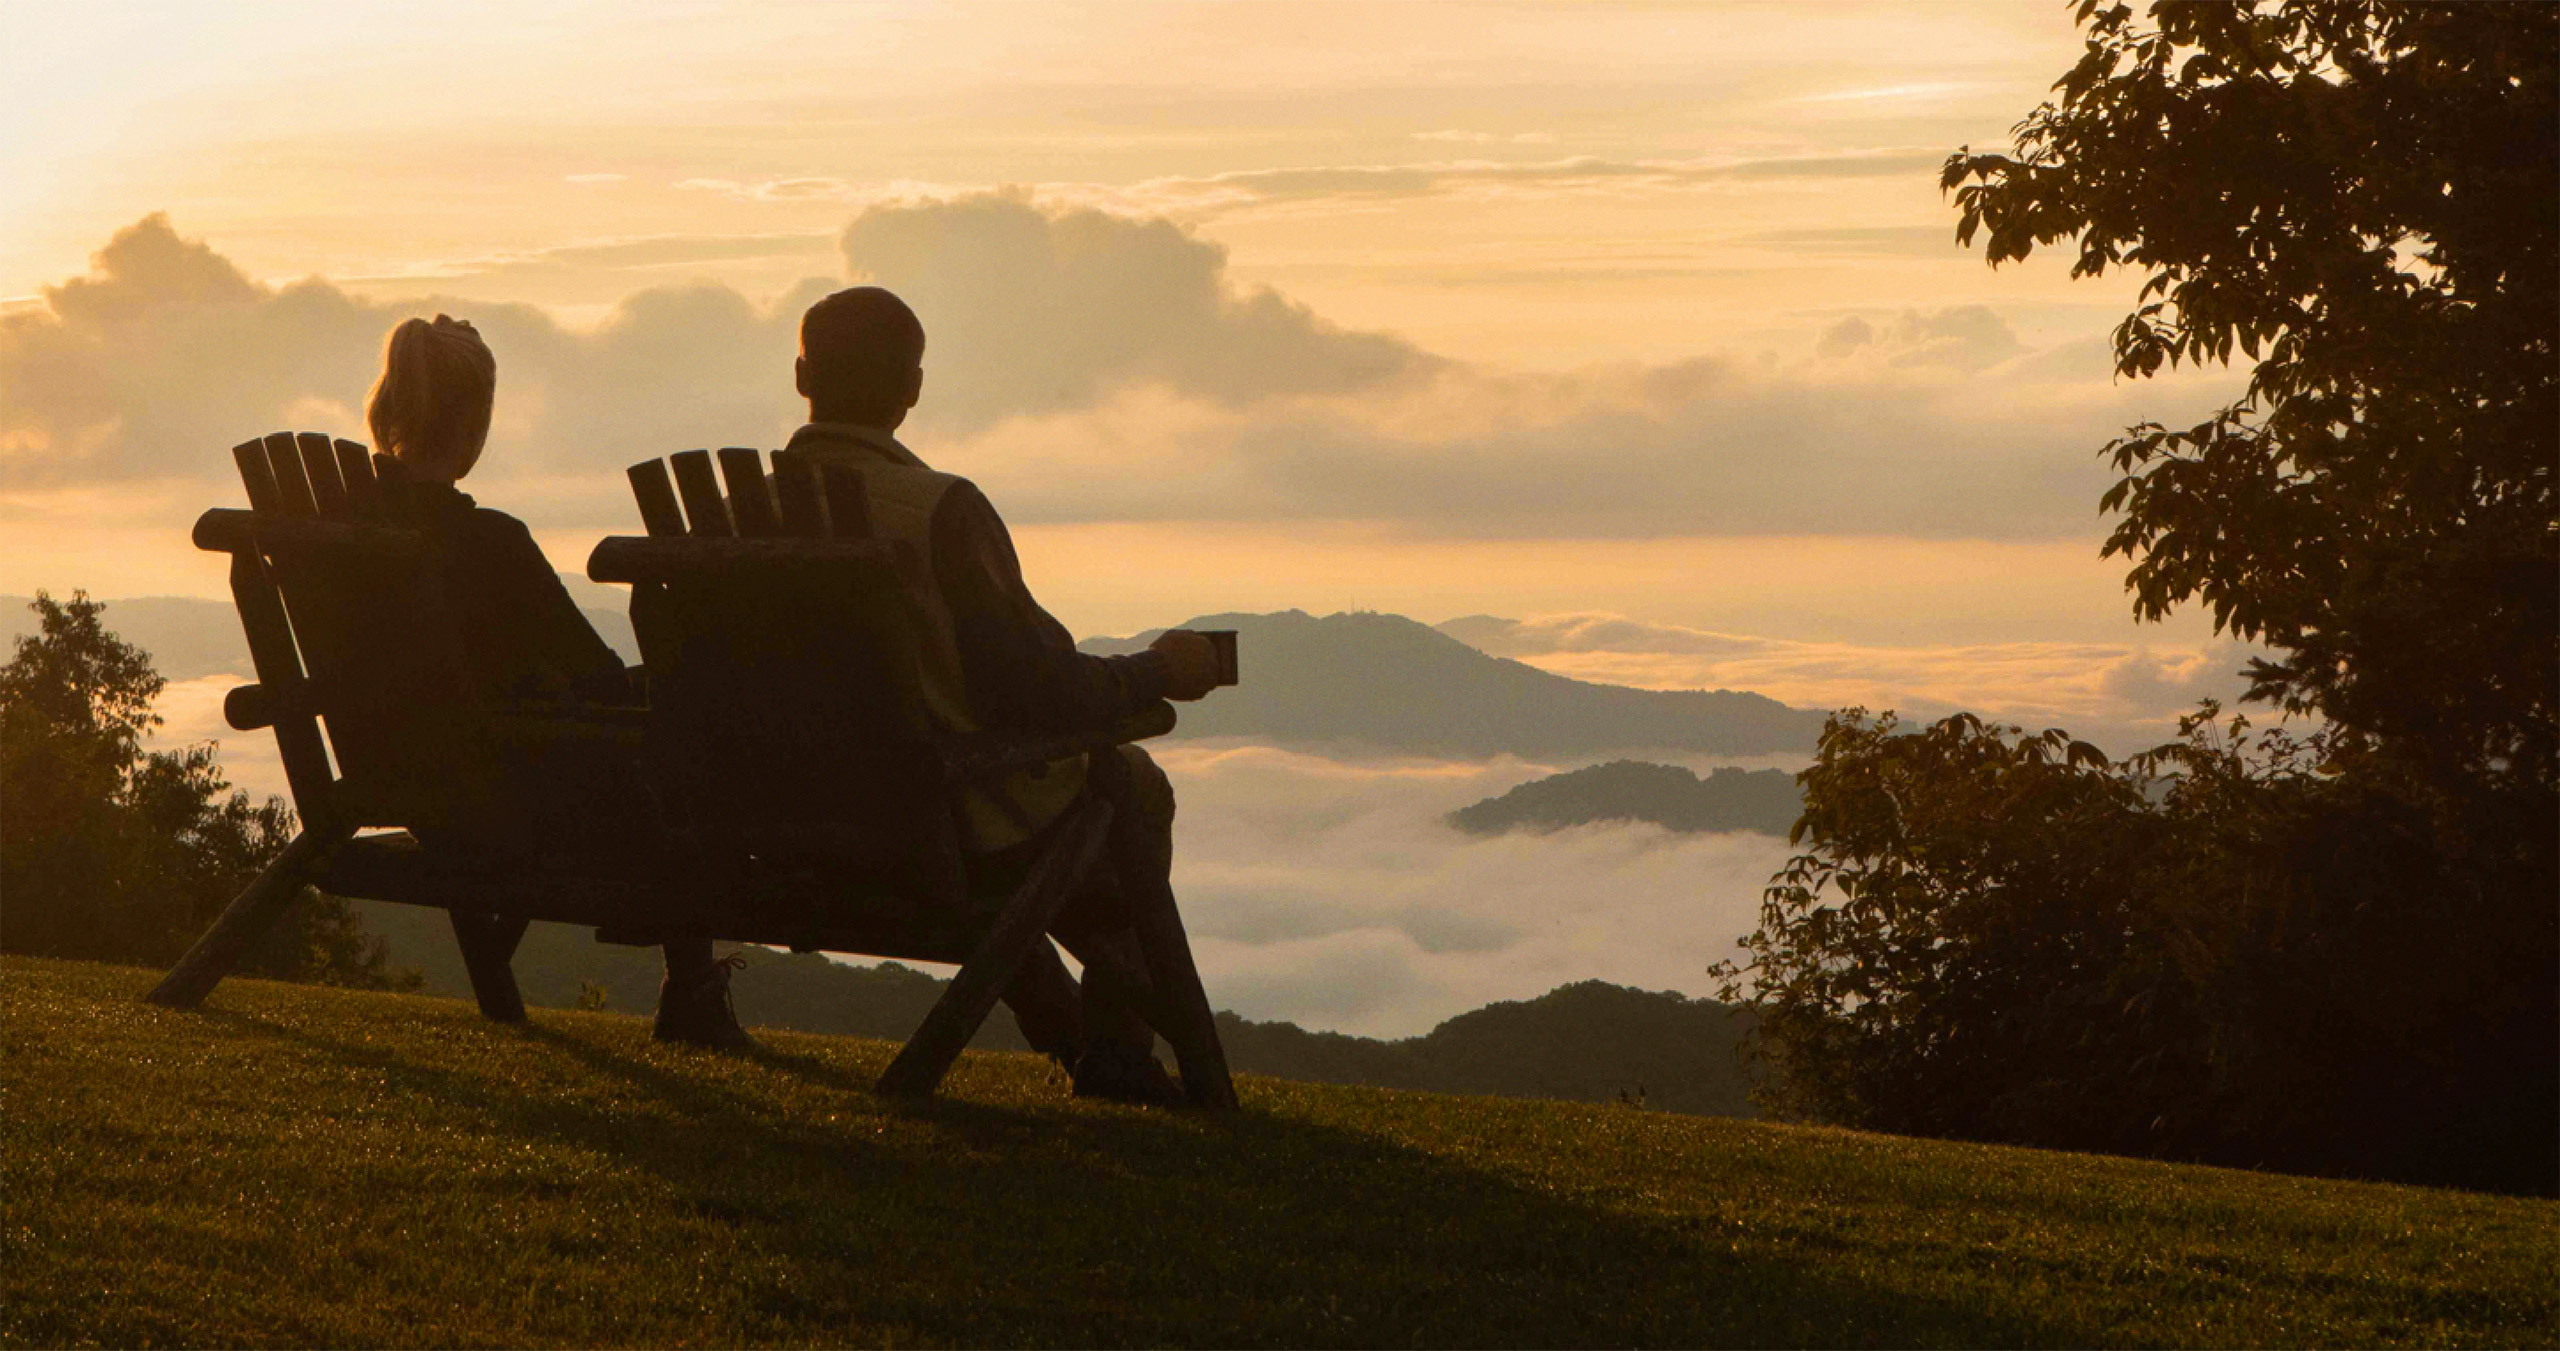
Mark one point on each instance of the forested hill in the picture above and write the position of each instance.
(1765, 800)
(1387, 682)
(1588, 1042)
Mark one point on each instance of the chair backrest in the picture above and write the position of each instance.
(787, 713)
(343, 605)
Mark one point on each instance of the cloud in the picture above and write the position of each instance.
(1029, 311)
(166, 354)
(776, 189)
(1579, 175)
(1090, 367)
(2123, 696)
(1332, 893)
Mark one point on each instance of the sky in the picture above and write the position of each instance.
(1641, 325)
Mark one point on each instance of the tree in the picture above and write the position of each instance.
(109, 852)
(2335, 952)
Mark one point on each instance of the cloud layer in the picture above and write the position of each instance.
(2122, 696)
(1094, 367)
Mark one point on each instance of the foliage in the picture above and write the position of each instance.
(2336, 953)
(109, 852)
(2211, 951)
(322, 1167)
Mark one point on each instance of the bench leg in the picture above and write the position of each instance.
(1189, 1023)
(1024, 921)
(246, 920)
(488, 952)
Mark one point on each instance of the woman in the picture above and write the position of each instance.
(525, 637)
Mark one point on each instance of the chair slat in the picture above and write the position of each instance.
(795, 490)
(848, 501)
(750, 499)
(255, 476)
(700, 489)
(293, 487)
(320, 465)
(656, 494)
(355, 473)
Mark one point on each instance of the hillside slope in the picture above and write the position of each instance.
(1588, 1042)
(297, 1166)
(1387, 682)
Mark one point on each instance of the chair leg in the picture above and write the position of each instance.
(1024, 921)
(1190, 1024)
(246, 920)
(488, 945)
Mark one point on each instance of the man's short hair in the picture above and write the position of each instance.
(862, 345)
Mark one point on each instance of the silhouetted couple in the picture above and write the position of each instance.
(1008, 666)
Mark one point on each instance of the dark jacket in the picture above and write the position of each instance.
(525, 637)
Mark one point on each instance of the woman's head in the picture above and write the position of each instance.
(431, 406)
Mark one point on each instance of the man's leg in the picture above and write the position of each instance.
(1120, 1047)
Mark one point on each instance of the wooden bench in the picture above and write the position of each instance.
(797, 791)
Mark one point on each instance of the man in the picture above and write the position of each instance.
(997, 661)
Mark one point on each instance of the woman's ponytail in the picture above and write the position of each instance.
(431, 407)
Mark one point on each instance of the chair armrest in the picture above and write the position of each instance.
(987, 756)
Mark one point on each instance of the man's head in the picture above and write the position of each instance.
(861, 358)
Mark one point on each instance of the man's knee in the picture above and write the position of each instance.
(1149, 792)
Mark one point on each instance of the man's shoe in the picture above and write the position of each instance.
(1120, 1073)
(702, 1014)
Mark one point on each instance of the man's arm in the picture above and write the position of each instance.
(1021, 665)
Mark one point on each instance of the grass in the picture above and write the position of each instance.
(297, 1166)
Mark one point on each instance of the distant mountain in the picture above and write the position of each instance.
(188, 637)
(1387, 682)
(1588, 1042)
(1765, 800)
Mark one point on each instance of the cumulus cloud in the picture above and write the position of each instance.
(1030, 310)
(1087, 367)
(166, 354)
(2123, 696)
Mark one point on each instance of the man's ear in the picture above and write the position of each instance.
(915, 386)
(800, 376)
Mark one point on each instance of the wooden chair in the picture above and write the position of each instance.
(770, 643)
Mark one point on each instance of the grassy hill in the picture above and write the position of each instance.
(1586, 1042)
(299, 1166)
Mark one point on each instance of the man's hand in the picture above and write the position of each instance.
(1190, 664)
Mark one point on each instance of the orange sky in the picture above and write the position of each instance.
(1526, 309)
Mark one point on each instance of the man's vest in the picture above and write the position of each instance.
(904, 494)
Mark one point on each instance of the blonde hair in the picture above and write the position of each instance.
(431, 406)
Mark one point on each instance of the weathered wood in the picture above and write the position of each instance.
(293, 486)
(246, 920)
(700, 488)
(981, 980)
(355, 472)
(230, 530)
(750, 501)
(488, 952)
(630, 558)
(656, 495)
(848, 501)
(796, 492)
(255, 476)
(271, 652)
(320, 465)
(1190, 1024)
